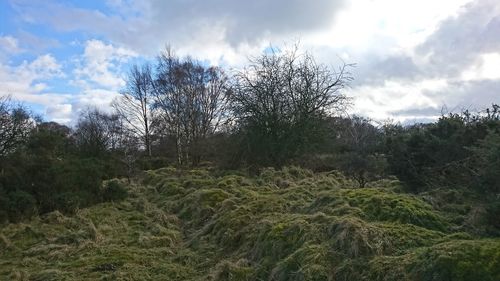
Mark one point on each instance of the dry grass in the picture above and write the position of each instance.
(284, 225)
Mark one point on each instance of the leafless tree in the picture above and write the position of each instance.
(280, 96)
(133, 106)
(98, 132)
(360, 141)
(15, 125)
(192, 99)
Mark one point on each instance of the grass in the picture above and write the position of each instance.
(289, 224)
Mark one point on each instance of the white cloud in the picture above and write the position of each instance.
(9, 45)
(60, 113)
(100, 98)
(381, 102)
(101, 64)
(28, 82)
(98, 71)
(487, 66)
(23, 81)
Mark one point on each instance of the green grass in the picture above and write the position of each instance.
(283, 225)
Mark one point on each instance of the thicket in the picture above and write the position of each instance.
(460, 150)
(52, 169)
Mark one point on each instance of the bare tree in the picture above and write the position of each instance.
(134, 104)
(193, 102)
(280, 97)
(360, 156)
(15, 125)
(98, 132)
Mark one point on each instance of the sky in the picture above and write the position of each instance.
(414, 59)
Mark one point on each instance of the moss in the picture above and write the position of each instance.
(310, 262)
(201, 204)
(287, 224)
(233, 181)
(239, 271)
(198, 183)
(198, 173)
(170, 188)
(383, 205)
(5, 244)
(459, 260)
(454, 260)
(49, 275)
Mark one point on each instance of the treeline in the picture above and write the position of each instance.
(283, 108)
(46, 166)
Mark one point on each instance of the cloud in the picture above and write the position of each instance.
(381, 102)
(9, 45)
(36, 44)
(28, 82)
(60, 113)
(98, 76)
(95, 98)
(214, 29)
(412, 57)
(485, 67)
(100, 65)
(457, 66)
(243, 21)
(23, 81)
(460, 40)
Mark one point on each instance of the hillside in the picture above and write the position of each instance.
(283, 225)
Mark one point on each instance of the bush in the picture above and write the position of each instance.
(152, 163)
(114, 191)
(20, 205)
(493, 213)
(69, 202)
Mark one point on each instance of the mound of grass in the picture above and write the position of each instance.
(384, 205)
(289, 224)
(461, 260)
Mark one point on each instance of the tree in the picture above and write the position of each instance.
(279, 101)
(360, 156)
(192, 100)
(98, 132)
(134, 104)
(486, 162)
(46, 174)
(15, 125)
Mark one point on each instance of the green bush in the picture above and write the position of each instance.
(69, 202)
(493, 216)
(152, 163)
(114, 191)
(21, 205)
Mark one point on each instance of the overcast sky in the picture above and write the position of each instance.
(413, 57)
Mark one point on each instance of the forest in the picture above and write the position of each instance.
(257, 173)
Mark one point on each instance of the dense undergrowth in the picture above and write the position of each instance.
(283, 225)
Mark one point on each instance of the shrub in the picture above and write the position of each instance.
(69, 202)
(152, 163)
(21, 205)
(493, 215)
(114, 191)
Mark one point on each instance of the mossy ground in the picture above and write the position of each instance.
(283, 225)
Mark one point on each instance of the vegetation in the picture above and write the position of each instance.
(459, 150)
(288, 224)
(279, 101)
(200, 174)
